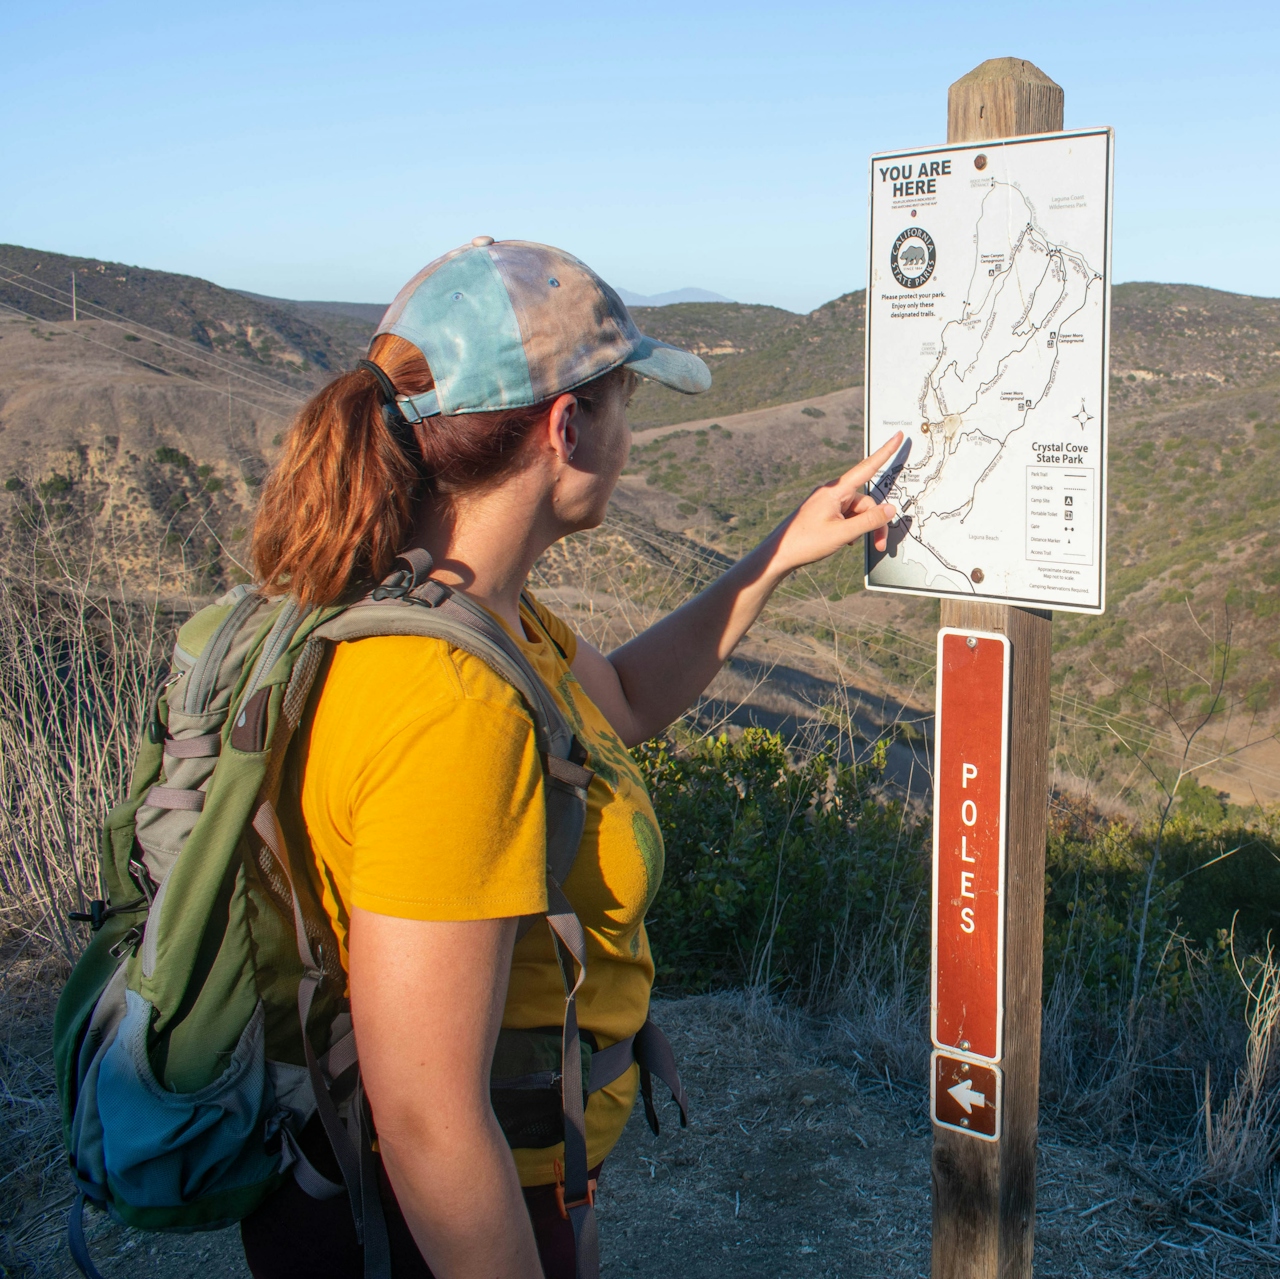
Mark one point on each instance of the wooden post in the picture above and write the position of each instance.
(984, 1193)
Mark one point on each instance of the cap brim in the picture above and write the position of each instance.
(680, 370)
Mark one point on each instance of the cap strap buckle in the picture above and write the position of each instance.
(417, 408)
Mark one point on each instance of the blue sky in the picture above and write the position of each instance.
(327, 150)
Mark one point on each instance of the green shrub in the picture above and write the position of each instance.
(1202, 804)
(776, 870)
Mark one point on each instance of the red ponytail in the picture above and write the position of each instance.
(341, 501)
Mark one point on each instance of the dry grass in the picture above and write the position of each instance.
(1242, 1139)
(78, 667)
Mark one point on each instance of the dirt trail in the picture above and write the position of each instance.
(797, 1162)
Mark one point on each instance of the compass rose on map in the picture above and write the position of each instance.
(1084, 417)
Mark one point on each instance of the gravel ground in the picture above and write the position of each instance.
(796, 1162)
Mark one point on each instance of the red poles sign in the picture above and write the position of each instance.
(970, 783)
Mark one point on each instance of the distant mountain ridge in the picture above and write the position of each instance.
(1170, 342)
(673, 298)
(364, 312)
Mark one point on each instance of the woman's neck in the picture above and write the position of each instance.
(486, 543)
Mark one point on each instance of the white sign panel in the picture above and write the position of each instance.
(988, 303)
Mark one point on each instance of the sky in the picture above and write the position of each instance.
(328, 150)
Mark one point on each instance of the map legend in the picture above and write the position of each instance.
(1060, 514)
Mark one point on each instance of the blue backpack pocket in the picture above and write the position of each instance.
(140, 1145)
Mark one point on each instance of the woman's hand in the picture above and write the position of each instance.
(833, 516)
(644, 685)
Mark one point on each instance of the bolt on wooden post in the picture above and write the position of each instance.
(984, 1191)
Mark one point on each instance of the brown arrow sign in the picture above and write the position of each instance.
(966, 1095)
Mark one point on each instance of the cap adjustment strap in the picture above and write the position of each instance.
(393, 415)
(417, 408)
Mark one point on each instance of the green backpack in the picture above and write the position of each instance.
(206, 1022)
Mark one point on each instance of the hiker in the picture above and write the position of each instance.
(489, 423)
(391, 744)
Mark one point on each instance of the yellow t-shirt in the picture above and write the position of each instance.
(422, 795)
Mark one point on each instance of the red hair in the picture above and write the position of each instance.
(341, 501)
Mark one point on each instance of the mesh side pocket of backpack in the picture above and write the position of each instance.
(524, 1086)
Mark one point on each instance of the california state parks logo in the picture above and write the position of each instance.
(913, 257)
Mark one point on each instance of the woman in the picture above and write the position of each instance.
(489, 423)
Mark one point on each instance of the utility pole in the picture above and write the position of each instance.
(74, 317)
(984, 1192)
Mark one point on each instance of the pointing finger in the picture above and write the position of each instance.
(858, 475)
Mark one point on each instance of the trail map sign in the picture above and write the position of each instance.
(987, 325)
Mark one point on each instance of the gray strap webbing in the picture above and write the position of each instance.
(653, 1052)
(419, 560)
(565, 770)
(203, 677)
(76, 1241)
(193, 747)
(341, 1056)
(345, 1151)
(571, 951)
(377, 1246)
(192, 801)
(608, 1064)
(310, 1180)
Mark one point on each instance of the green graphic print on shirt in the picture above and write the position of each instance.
(614, 765)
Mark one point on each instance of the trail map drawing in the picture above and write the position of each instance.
(987, 316)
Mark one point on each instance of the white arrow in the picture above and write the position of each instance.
(965, 1094)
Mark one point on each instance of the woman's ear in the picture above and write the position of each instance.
(562, 426)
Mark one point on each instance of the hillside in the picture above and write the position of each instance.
(220, 322)
(758, 356)
(156, 419)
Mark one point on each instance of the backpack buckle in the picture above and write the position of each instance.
(95, 916)
(431, 594)
(398, 583)
(573, 1203)
(128, 942)
(99, 912)
(396, 586)
(564, 1207)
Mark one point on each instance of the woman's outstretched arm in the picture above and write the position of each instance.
(647, 683)
(427, 1001)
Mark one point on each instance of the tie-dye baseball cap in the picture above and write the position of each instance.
(505, 324)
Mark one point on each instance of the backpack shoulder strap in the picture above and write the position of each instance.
(433, 610)
(410, 602)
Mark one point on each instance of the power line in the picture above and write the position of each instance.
(179, 346)
(147, 364)
(216, 359)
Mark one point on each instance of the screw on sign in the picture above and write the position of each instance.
(971, 731)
